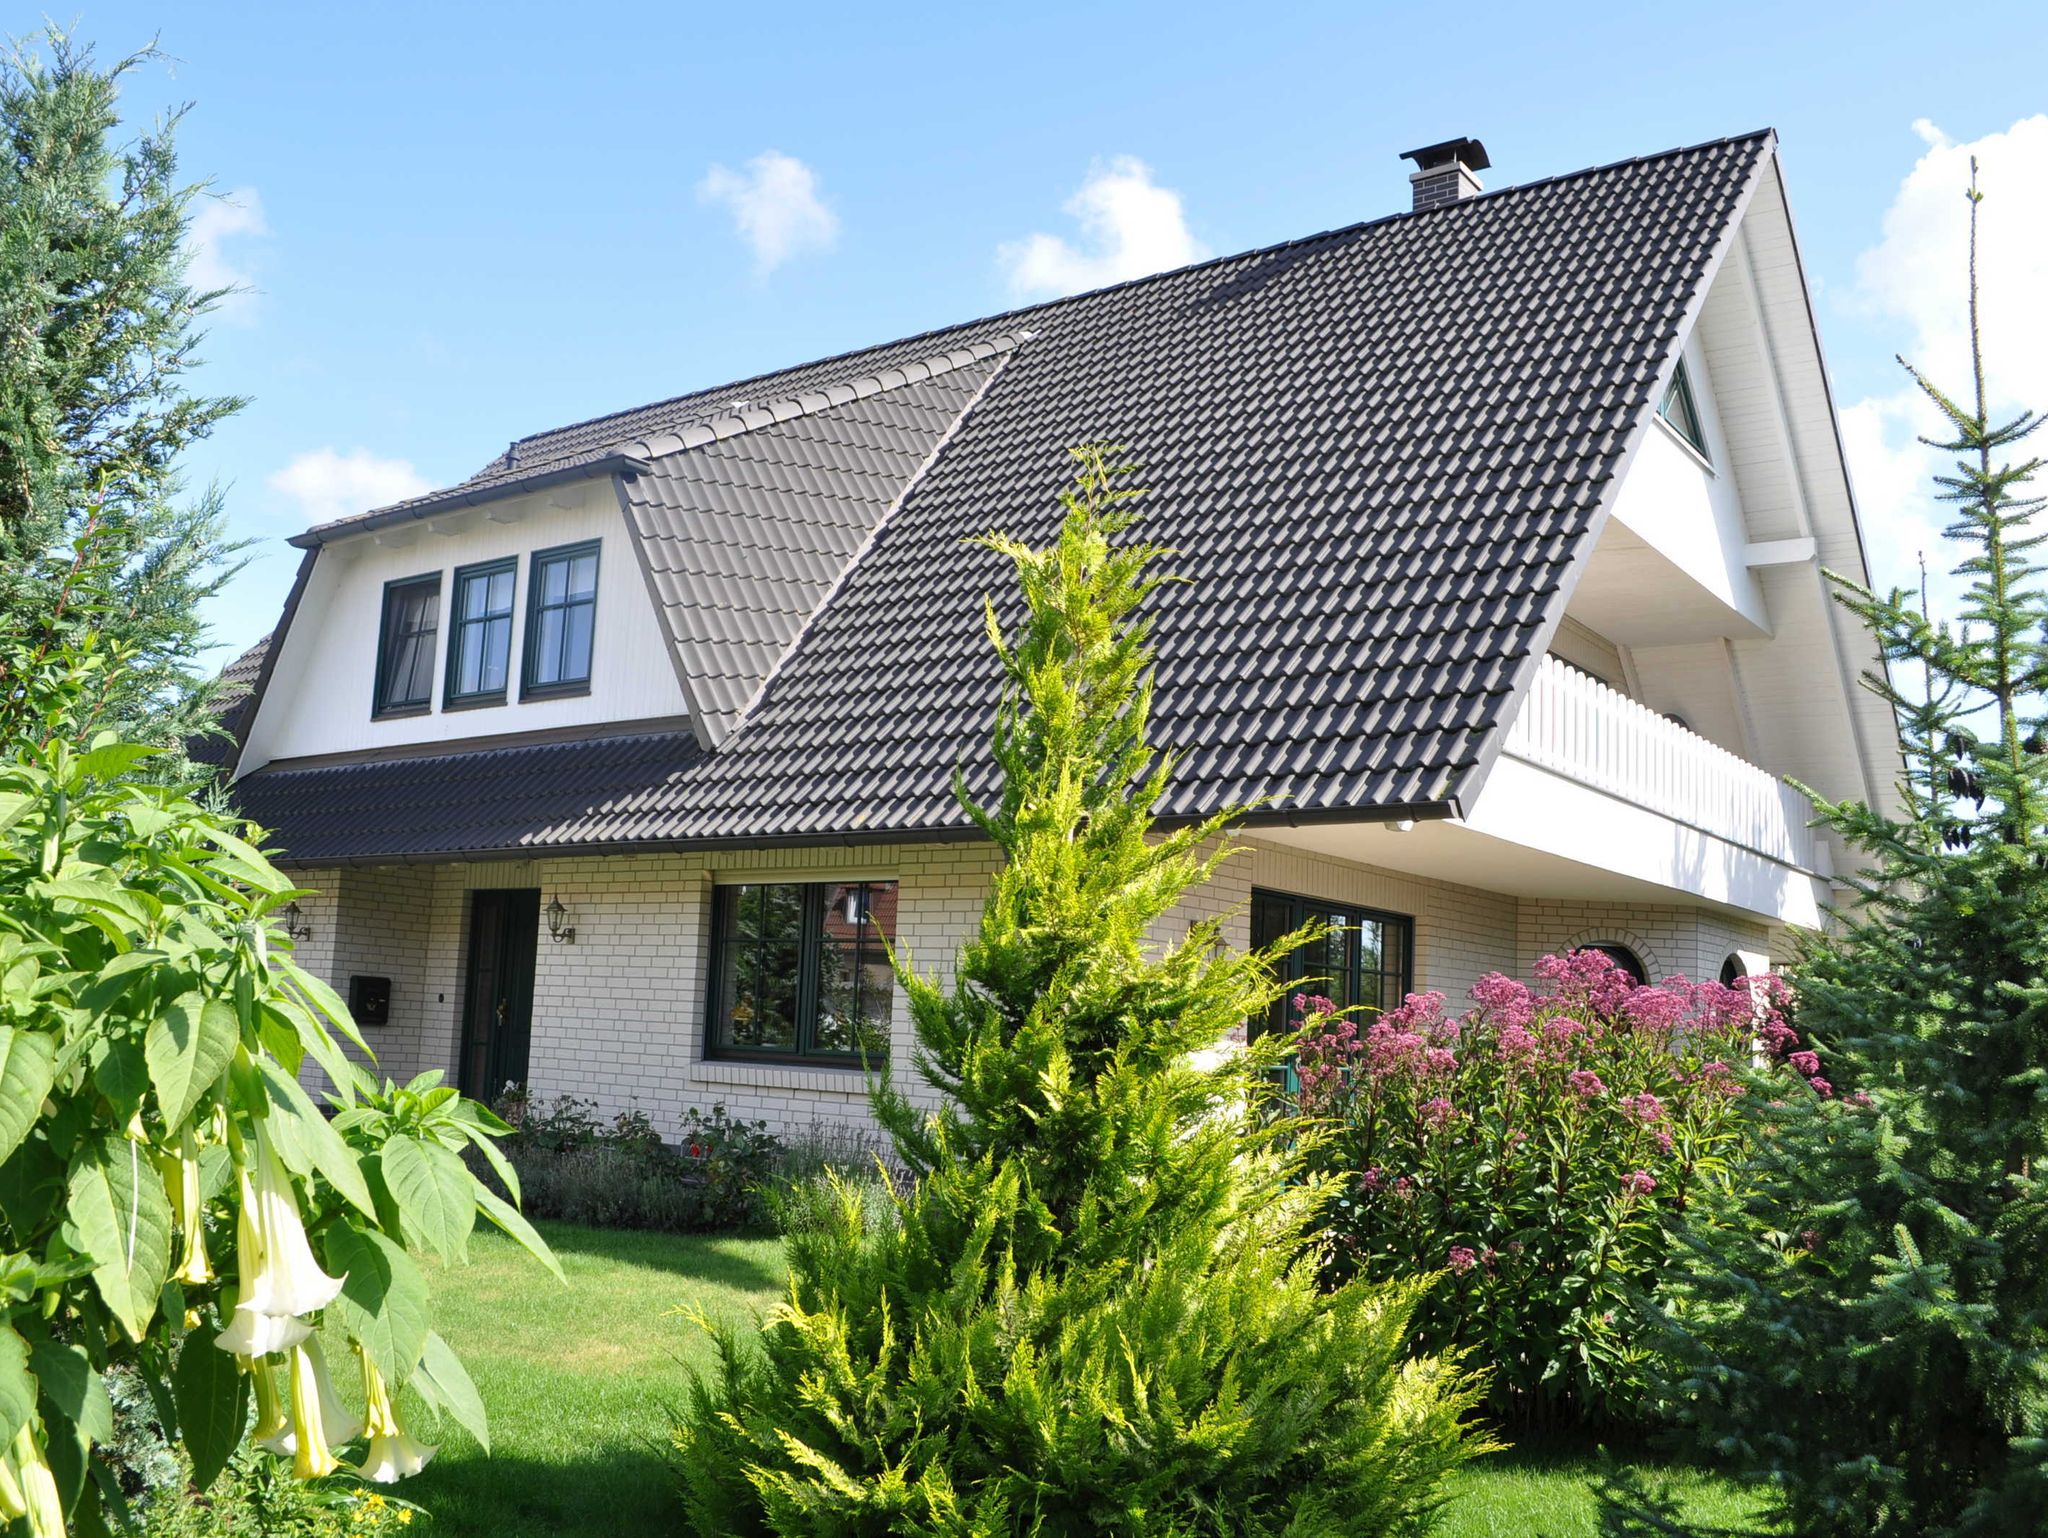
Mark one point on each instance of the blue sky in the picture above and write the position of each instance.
(464, 223)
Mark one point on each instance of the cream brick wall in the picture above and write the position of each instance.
(619, 1015)
(1688, 942)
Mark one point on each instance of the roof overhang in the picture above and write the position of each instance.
(456, 498)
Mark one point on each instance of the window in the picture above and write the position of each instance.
(480, 650)
(799, 970)
(405, 646)
(1363, 957)
(1681, 411)
(1622, 957)
(561, 610)
(1733, 971)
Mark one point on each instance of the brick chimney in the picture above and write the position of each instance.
(1447, 172)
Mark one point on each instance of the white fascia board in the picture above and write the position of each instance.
(1541, 810)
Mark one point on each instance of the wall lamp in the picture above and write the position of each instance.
(294, 922)
(560, 930)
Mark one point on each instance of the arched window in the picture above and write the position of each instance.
(1733, 971)
(1622, 957)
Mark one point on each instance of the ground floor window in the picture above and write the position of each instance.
(1363, 958)
(1622, 957)
(800, 970)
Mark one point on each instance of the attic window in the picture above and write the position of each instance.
(1682, 412)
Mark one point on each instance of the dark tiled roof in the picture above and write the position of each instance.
(231, 708)
(742, 537)
(1378, 452)
(499, 799)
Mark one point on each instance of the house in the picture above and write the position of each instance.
(1504, 519)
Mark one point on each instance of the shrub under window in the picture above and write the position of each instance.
(801, 970)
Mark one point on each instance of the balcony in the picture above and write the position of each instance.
(1599, 799)
(1574, 725)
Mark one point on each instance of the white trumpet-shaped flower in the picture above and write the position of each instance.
(181, 1183)
(29, 1489)
(273, 1429)
(320, 1422)
(280, 1280)
(392, 1455)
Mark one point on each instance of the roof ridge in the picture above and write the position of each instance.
(510, 456)
(746, 417)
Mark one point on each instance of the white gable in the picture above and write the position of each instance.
(321, 694)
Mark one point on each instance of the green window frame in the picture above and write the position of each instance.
(1366, 958)
(480, 634)
(800, 972)
(408, 627)
(1682, 412)
(561, 621)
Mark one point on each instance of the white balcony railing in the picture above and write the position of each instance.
(1574, 725)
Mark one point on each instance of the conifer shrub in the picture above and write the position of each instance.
(1098, 1307)
(1864, 1337)
(1541, 1148)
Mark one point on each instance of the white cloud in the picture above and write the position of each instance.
(775, 207)
(1913, 284)
(326, 484)
(1129, 227)
(217, 220)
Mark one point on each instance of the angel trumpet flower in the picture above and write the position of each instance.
(29, 1489)
(273, 1432)
(280, 1280)
(181, 1184)
(392, 1454)
(319, 1419)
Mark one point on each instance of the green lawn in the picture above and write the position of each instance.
(578, 1382)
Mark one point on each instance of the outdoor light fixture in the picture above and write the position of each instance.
(295, 925)
(560, 930)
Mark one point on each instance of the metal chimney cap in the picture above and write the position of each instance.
(1469, 153)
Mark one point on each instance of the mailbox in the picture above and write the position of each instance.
(369, 1000)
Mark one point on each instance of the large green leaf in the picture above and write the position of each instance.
(121, 1075)
(212, 1394)
(28, 1061)
(306, 1141)
(116, 1214)
(383, 1301)
(187, 1048)
(72, 1389)
(513, 1221)
(17, 1386)
(432, 1192)
(444, 1383)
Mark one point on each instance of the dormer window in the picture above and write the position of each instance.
(405, 645)
(1681, 412)
(480, 647)
(560, 620)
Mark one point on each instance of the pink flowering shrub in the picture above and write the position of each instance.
(1540, 1149)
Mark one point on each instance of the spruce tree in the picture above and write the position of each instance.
(1094, 1308)
(1869, 1343)
(99, 330)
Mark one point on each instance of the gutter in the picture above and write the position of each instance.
(459, 497)
(945, 833)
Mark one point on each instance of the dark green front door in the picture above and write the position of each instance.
(497, 1001)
